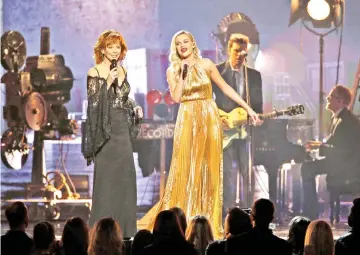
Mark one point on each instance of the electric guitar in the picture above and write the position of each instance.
(237, 119)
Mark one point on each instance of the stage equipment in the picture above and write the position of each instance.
(236, 23)
(162, 104)
(322, 14)
(35, 98)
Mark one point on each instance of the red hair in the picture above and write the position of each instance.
(109, 37)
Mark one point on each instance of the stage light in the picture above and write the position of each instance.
(318, 9)
(321, 13)
(237, 23)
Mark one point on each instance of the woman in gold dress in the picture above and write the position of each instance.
(195, 178)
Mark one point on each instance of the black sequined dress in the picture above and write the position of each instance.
(106, 141)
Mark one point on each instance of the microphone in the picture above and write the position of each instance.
(112, 66)
(185, 71)
(243, 53)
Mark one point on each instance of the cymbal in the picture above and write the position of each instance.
(36, 113)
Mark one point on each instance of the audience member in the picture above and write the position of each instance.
(237, 222)
(168, 236)
(350, 242)
(200, 234)
(298, 226)
(319, 239)
(142, 239)
(106, 238)
(16, 241)
(260, 239)
(44, 238)
(181, 217)
(75, 238)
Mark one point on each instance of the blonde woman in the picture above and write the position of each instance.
(195, 178)
(319, 239)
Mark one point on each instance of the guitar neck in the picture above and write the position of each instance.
(271, 115)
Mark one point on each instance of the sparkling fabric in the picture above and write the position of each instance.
(195, 178)
(97, 127)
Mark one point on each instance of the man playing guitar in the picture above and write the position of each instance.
(234, 72)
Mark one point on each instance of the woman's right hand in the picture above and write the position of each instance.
(112, 76)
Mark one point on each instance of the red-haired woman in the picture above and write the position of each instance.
(112, 121)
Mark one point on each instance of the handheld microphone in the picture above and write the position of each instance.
(112, 66)
(185, 71)
(243, 53)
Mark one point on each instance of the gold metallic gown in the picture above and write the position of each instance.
(195, 178)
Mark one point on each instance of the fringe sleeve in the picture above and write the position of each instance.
(97, 127)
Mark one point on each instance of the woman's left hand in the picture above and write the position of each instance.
(139, 112)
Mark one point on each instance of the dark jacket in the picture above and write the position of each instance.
(348, 244)
(342, 155)
(258, 241)
(255, 86)
(16, 243)
(170, 246)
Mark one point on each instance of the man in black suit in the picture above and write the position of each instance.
(341, 150)
(233, 71)
(260, 239)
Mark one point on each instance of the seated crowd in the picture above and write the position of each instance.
(172, 234)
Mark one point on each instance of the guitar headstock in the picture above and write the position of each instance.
(295, 110)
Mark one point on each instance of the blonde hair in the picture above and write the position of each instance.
(319, 239)
(107, 38)
(174, 57)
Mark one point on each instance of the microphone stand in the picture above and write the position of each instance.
(249, 191)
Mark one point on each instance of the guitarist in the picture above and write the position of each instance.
(233, 72)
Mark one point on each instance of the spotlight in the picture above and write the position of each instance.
(237, 23)
(318, 9)
(322, 13)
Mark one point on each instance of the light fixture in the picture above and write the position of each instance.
(236, 23)
(322, 14)
(318, 9)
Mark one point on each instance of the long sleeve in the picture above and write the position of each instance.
(97, 126)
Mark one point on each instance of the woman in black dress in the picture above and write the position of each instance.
(112, 121)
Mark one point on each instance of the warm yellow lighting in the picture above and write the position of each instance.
(318, 9)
